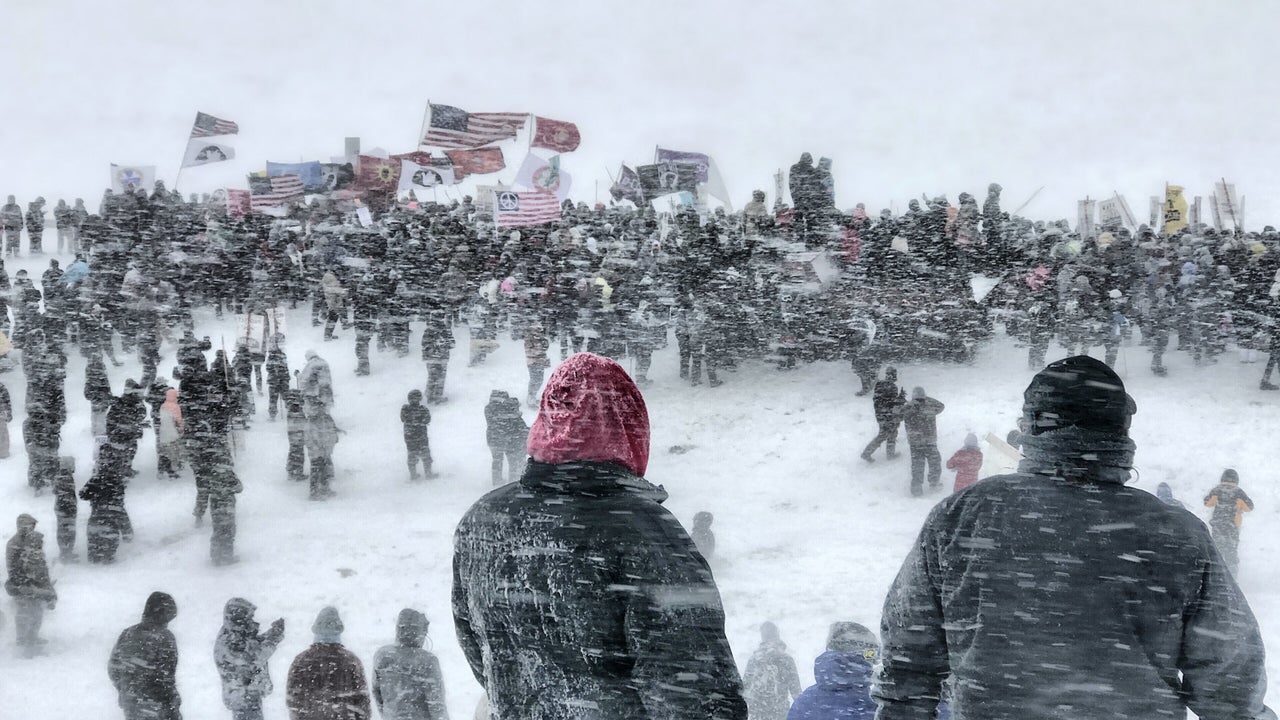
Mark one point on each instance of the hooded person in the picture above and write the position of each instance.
(576, 636)
(1059, 591)
(770, 682)
(316, 383)
(842, 677)
(407, 684)
(144, 663)
(28, 582)
(967, 462)
(326, 681)
(241, 654)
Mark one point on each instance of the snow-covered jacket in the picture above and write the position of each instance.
(170, 418)
(322, 435)
(770, 681)
(966, 462)
(241, 655)
(315, 380)
(407, 684)
(842, 690)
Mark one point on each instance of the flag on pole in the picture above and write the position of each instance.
(208, 126)
(337, 176)
(556, 135)
(380, 174)
(627, 186)
(701, 160)
(128, 178)
(203, 152)
(476, 162)
(522, 209)
(423, 177)
(272, 192)
(1175, 209)
(310, 173)
(544, 176)
(1229, 207)
(665, 178)
(456, 129)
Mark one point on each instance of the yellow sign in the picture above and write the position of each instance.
(1175, 209)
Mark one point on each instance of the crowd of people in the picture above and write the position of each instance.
(607, 286)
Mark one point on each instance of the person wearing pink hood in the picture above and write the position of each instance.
(575, 593)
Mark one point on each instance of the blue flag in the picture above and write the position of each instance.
(311, 173)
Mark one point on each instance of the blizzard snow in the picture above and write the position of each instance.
(807, 533)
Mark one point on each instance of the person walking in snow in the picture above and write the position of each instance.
(555, 648)
(277, 380)
(326, 681)
(28, 583)
(407, 684)
(770, 682)
(241, 654)
(506, 434)
(703, 537)
(842, 677)
(144, 664)
(967, 462)
(66, 507)
(886, 399)
(416, 417)
(1229, 504)
(1045, 558)
(296, 419)
(321, 437)
(919, 418)
(316, 383)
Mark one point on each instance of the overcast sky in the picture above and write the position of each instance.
(907, 97)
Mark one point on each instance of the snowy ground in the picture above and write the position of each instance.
(808, 533)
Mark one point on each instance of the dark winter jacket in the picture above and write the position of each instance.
(770, 682)
(126, 419)
(1045, 597)
(97, 387)
(144, 663)
(616, 611)
(920, 418)
(416, 417)
(1229, 504)
(27, 568)
(278, 370)
(504, 426)
(326, 682)
(886, 398)
(407, 684)
(842, 690)
(241, 655)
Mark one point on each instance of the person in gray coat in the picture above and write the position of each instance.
(322, 436)
(407, 684)
(241, 654)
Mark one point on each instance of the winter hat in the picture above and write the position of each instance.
(918, 393)
(238, 612)
(26, 521)
(769, 632)
(1164, 492)
(703, 519)
(411, 627)
(970, 442)
(850, 637)
(1078, 391)
(328, 626)
(1231, 476)
(160, 608)
(415, 396)
(591, 410)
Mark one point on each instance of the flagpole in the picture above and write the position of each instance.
(426, 123)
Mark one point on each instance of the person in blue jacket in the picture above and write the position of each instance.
(843, 676)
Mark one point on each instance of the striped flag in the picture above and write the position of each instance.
(208, 126)
(269, 192)
(455, 129)
(522, 209)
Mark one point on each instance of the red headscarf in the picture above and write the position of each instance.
(591, 410)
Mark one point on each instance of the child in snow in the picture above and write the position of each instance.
(296, 417)
(843, 674)
(169, 435)
(966, 462)
(703, 538)
(415, 416)
(1229, 504)
(64, 507)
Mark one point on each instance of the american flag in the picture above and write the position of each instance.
(455, 129)
(523, 209)
(270, 192)
(208, 126)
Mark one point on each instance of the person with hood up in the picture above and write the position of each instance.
(1058, 591)
(316, 383)
(321, 437)
(1165, 493)
(967, 462)
(770, 682)
(416, 417)
(35, 226)
(11, 226)
(28, 583)
(842, 677)
(575, 637)
(169, 435)
(326, 681)
(144, 664)
(704, 538)
(1229, 504)
(407, 684)
(920, 419)
(65, 507)
(296, 420)
(506, 433)
(241, 654)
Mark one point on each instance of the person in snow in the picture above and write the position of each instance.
(1229, 504)
(144, 664)
(920, 419)
(11, 226)
(277, 381)
(125, 422)
(326, 681)
(65, 507)
(842, 677)
(1165, 493)
(108, 520)
(241, 654)
(703, 537)
(296, 419)
(169, 435)
(886, 399)
(536, 345)
(316, 384)
(575, 637)
(770, 682)
(506, 433)
(321, 437)
(407, 684)
(1022, 588)
(28, 583)
(416, 417)
(967, 462)
(6, 415)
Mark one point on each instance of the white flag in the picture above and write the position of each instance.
(544, 176)
(420, 177)
(128, 178)
(202, 151)
(715, 186)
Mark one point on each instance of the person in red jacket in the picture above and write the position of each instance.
(326, 681)
(966, 462)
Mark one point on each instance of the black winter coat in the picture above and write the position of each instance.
(416, 418)
(920, 419)
(1048, 598)
(886, 398)
(504, 425)
(143, 668)
(126, 419)
(616, 614)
